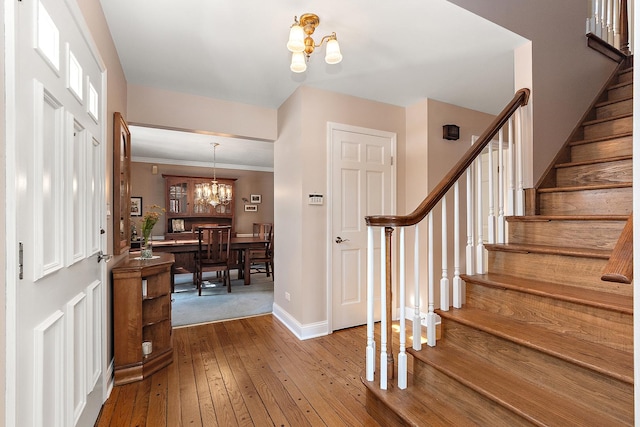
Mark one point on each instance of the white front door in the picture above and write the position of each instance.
(56, 320)
(362, 184)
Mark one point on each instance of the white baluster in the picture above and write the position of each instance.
(457, 281)
(469, 255)
(417, 327)
(479, 218)
(402, 356)
(511, 195)
(500, 186)
(519, 163)
(491, 217)
(371, 343)
(444, 280)
(383, 311)
(431, 315)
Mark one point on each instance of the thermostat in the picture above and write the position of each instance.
(316, 199)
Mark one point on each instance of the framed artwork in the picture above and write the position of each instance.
(250, 208)
(136, 206)
(256, 198)
(177, 225)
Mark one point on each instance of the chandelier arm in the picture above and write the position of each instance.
(326, 38)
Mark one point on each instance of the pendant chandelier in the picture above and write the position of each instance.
(213, 193)
(302, 45)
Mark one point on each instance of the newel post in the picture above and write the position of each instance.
(388, 231)
(624, 28)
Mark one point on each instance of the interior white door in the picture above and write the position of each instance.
(59, 149)
(362, 184)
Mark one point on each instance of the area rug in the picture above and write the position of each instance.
(215, 303)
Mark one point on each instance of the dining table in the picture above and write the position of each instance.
(185, 251)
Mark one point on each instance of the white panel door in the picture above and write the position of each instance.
(362, 184)
(59, 214)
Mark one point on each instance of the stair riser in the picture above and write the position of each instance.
(486, 412)
(625, 76)
(591, 324)
(608, 128)
(554, 373)
(598, 173)
(616, 93)
(610, 201)
(567, 270)
(602, 149)
(624, 106)
(581, 234)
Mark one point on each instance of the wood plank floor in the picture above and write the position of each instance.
(249, 372)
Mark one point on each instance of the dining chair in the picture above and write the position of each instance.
(213, 253)
(262, 229)
(264, 256)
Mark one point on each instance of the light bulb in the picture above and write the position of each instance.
(333, 55)
(298, 63)
(296, 39)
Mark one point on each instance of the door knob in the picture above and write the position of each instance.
(103, 256)
(341, 240)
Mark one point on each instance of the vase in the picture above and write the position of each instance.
(146, 251)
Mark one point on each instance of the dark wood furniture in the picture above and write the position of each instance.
(121, 185)
(142, 312)
(185, 250)
(263, 255)
(183, 215)
(214, 247)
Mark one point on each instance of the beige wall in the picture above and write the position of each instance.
(152, 190)
(300, 169)
(567, 75)
(173, 110)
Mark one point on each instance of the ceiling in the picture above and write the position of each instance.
(393, 52)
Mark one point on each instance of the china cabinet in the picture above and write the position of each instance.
(183, 211)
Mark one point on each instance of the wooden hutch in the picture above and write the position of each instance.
(183, 214)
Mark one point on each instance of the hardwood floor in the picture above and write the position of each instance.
(249, 372)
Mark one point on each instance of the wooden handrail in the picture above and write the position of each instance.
(619, 269)
(521, 98)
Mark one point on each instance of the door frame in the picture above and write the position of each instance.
(11, 277)
(331, 126)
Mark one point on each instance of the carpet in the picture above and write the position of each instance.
(215, 303)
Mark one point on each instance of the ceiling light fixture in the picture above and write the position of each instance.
(302, 45)
(213, 194)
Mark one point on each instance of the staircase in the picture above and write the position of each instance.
(541, 339)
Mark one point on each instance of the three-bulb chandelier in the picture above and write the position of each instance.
(213, 193)
(302, 45)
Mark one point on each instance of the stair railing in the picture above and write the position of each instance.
(507, 183)
(609, 21)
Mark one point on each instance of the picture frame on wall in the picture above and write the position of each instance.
(136, 206)
(250, 208)
(256, 198)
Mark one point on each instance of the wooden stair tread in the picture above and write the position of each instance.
(600, 139)
(592, 162)
(533, 402)
(613, 101)
(588, 297)
(551, 250)
(414, 404)
(599, 358)
(606, 119)
(586, 187)
(619, 85)
(547, 218)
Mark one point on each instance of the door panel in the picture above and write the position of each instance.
(362, 182)
(59, 215)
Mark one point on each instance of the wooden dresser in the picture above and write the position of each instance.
(142, 313)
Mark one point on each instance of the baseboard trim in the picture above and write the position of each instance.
(302, 332)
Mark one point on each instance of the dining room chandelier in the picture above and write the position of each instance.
(213, 193)
(302, 45)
